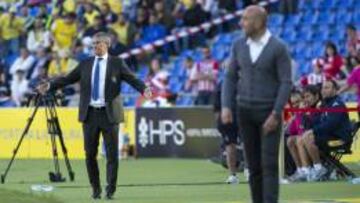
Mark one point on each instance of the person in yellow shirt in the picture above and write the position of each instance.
(11, 27)
(124, 30)
(115, 5)
(61, 64)
(64, 31)
(90, 13)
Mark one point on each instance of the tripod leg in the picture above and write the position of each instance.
(27, 127)
(57, 129)
(52, 130)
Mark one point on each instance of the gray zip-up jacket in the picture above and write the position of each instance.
(264, 84)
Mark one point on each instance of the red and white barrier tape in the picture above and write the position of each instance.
(322, 110)
(187, 32)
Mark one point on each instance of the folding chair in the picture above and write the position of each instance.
(336, 150)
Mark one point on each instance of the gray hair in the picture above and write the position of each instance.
(102, 37)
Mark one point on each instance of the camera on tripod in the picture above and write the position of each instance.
(49, 102)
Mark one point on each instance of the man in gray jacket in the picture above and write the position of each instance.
(259, 79)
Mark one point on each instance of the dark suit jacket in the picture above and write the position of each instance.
(116, 72)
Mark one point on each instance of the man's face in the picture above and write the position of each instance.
(248, 23)
(207, 53)
(100, 47)
(309, 99)
(328, 90)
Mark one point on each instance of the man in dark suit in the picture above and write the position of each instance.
(259, 79)
(100, 108)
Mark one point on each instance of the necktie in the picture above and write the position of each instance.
(96, 82)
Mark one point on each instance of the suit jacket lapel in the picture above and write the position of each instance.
(107, 75)
(89, 73)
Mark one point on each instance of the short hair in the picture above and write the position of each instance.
(103, 37)
(351, 27)
(331, 45)
(312, 89)
(334, 83)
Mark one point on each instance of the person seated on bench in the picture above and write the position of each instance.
(302, 121)
(327, 126)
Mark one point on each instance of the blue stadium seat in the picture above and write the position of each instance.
(276, 19)
(317, 49)
(325, 18)
(315, 5)
(320, 36)
(304, 5)
(343, 16)
(224, 39)
(185, 100)
(220, 52)
(309, 18)
(356, 18)
(129, 100)
(345, 3)
(289, 35)
(292, 20)
(308, 53)
(328, 4)
(176, 87)
(276, 30)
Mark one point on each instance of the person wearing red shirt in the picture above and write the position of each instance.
(333, 60)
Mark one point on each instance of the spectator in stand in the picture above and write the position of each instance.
(141, 18)
(124, 29)
(11, 28)
(164, 15)
(195, 15)
(333, 61)
(295, 129)
(353, 41)
(147, 4)
(61, 64)
(190, 67)
(157, 79)
(41, 63)
(5, 100)
(38, 37)
(317, 77)
(326, 127)
(97, 26)
(311, 98)
(205, 77)
(288, 6)
(4, 87)
(24, 62)
(107, 14)
(28, 19)
(226, 6)
(90, 13)
(210, 6)
(154, 30)
(19, 87)
(116, 48)
(64, 31)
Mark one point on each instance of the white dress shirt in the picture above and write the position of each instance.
(100, 102)
(256, 47)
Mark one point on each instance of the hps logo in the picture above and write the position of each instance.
(162, 130)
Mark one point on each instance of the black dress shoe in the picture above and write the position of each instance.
(96, 193)
(109, 195)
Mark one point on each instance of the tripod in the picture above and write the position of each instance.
(53, 126)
